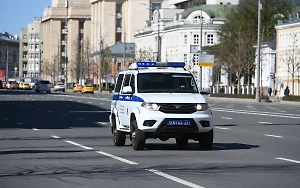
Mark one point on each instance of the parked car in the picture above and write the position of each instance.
(25, 86)
(42, 85)
(59, 87)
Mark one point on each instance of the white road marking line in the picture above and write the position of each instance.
(79, 145)
(19, 123)
(271, 135)
(89, 102)
(53, 136)
(101, 103)
(62, 98)
(223, 128)
(38, 109)
(6, 119)
(78, 101)
(81, 119)
(221, 147)
(280, 111)
(178, 180)
(50, 111)
(263, 122)
(273, 114)
(64, 114)
(35, 129)
(290, 160)
(27, 98)
(102, 123)
(117, 158)
(250, 106)
(226, 118)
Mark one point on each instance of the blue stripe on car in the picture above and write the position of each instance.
(124, 97)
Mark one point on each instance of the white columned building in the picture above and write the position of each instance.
(179, 31)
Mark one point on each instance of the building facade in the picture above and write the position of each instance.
(30, 50)
(181, 37)
(288, 56)
(61, 43)
(9, 56)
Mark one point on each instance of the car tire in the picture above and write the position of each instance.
(64, 91)
(137, 137)
(182, 143)
(119, 137)
(206, 140)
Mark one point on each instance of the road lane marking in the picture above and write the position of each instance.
(19, 123)
(271, 135)
(103, 111)
(223, 128)
(173, 178)
(6, 119)
(50, 111)
(35, 129)
(81, 119)
(53, 136)
(64, 114)
(273, 114)
(117, 158)
(89, 102)
(263, 122)
(289, 160)
(226, 118)
(102, 123)
(79, 145)
(280, 111)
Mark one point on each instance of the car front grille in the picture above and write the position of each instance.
(177, 108)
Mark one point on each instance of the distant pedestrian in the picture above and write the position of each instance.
(287, 91)
(275, 92)
(235, 90)
(270, 91)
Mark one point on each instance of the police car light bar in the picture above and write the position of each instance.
(160, 64)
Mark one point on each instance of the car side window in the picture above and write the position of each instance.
(119, 83)
(127, 80)
(132, 83)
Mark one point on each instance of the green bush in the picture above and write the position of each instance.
(240, 96)
(291, 98)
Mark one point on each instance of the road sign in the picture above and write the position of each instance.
(206, 60)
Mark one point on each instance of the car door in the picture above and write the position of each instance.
(124, 102)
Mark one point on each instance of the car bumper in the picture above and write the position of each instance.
(156, 121)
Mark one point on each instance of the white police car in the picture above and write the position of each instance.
(159, 100)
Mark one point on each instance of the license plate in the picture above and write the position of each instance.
(179, 122)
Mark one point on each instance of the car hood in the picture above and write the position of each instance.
(173, 97)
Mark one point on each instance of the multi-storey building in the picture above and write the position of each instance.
(30, 50)
(179, 37)
(9, 56)
(288, 56)
(61, 43)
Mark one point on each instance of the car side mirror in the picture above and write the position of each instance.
(127, 90)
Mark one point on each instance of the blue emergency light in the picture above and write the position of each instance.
(160, 64)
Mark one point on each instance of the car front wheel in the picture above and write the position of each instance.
(137, 136)
(119, 137)
(206, 140)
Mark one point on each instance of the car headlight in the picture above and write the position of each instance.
(150, 106)
(201, 106)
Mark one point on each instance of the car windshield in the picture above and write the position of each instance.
(45, 82)
(166, 83)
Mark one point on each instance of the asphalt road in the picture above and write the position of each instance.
(64, 140)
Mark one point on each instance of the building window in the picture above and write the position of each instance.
(37, 36)
(185, 39)
(119, 8)
(24, 66)
(210, 39)
(195, 58)
(118, 37)
(185, 58)
(25, 37)
(196, 39)
(119, 22)
(156, 6)
(197, 19)
(37, 56)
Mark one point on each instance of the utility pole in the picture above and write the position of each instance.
(100, 59)
(58, 60)
(257, 94)
(200, 51)
(81, 44)
(40, 61)
(66, 45)
(6, 63)
(124, 52)
(158, 37)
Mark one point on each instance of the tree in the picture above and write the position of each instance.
(292, 59)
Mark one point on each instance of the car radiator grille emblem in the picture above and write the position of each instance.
(177, 106)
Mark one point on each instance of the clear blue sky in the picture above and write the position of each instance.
(17, 14)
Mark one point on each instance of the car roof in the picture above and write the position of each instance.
(159, 70)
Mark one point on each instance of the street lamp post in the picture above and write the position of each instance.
(257, 94)
(200, 50)
(81, 45)
(158, 38)
(6, 77)
(66, 50)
